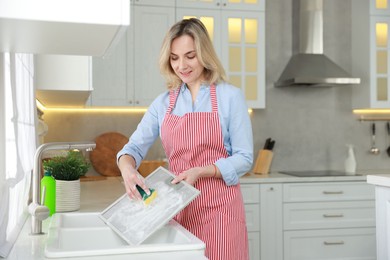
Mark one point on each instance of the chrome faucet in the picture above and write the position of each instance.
(38, 211)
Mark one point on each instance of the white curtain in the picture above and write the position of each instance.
(19, 145)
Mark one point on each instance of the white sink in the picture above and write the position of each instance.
(85, 234)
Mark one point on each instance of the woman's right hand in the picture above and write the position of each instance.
(131, 177)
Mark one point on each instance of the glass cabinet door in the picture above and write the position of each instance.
(211, 19)
(379, 7)
(243, 54)
(380, 62)
(238, 38)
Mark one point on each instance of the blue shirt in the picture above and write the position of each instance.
(235, 123)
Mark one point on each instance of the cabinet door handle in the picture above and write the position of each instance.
(333, 215)
(332, 243)
(332, 192)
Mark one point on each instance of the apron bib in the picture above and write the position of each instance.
(217, 215)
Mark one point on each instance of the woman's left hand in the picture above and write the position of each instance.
(190, 176)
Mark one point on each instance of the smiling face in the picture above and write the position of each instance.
(184, 61)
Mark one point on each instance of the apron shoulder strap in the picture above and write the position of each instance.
(213, 97)
(172, 99)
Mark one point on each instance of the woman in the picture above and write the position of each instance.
(206, 133)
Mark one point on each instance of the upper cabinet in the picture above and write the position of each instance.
(70, 27)
(248, 5)
(379, 7)
(239, 39)
(169, 3)
(370, 53)
(62, 80)
(130, 76)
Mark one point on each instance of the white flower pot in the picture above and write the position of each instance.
(67, 195)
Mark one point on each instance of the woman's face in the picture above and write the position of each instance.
(184, 61)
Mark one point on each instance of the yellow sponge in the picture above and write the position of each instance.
(145, 197)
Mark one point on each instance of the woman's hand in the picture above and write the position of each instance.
(190, 176)
(131, 177)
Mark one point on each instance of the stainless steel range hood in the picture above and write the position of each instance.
(310, 67)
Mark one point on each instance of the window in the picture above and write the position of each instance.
(18, 142)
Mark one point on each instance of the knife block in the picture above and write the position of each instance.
(263, 162)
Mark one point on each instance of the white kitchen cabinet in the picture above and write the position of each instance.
(68, 27)
(322, 215)
(131, 76)
(110, 78)
(224, 4)
(312, 220)
(271, 218)
(327, 191)
(379, 7)
(238, 36)
(332, 220)
(155, 21)
(382, 208)
(382, 219)
(370, 53)
(62, 80)
(251, 197)
(169, 3)
(346, 244)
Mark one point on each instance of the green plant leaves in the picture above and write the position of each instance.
(67, 168)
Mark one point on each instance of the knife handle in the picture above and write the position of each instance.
(267, 142)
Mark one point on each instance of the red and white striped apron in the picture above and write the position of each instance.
(217, 215)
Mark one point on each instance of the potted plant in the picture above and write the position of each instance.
(67, 171)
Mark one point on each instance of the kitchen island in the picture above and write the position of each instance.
(382, 206)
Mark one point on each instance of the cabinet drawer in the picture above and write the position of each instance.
(319, 215)
(250, 193)
(327, 191)
(252, 217)
(254, 245)
(356, 243)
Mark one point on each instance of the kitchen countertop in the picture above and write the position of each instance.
(95, 197)
(276, 177)
(379, 179)
(99, 194)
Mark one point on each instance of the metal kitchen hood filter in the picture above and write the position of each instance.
(310, 67)
(135, 222)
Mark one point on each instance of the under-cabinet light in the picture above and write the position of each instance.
(371, 111)
(92, 109)
(98, 109)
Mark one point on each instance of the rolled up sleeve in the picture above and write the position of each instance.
(238, 138)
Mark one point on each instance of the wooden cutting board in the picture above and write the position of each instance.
(103, 157)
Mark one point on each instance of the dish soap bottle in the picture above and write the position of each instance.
(350, 162)
(48, 183)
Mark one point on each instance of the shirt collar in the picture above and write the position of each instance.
(202, 86)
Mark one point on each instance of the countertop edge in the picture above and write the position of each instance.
(379, 179)
(276, 177)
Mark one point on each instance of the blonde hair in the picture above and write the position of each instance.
(205, 53)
